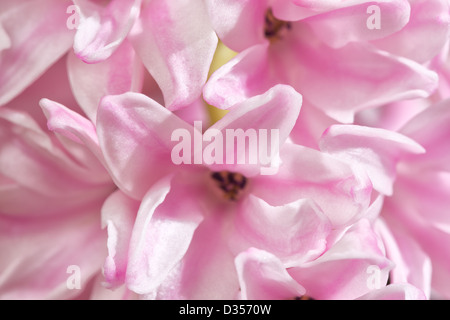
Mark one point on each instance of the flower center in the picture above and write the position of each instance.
(273, 27)
(303, 297)
(230, 183)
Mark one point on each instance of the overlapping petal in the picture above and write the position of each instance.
(430, 129)
(239, 24)
(37, 266)
(34, 165)
(162, 233)
(248, 74)
(134, 134)
(101, 30)
(350, 23)
(339, 191)
(262, 276)
(176, 43)
(120, 73)
(273, 112)
(375, 151)
(53, 85)
(309, 66)
(352, 267)
(304, 223)
(296, 232)
(412, 264)
(428, 17)
(207, 269)
(418, 205)
(34, 37)
(118, 216)
(395, 292)
(72, 127)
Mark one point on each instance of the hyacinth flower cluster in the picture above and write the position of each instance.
(225, 149)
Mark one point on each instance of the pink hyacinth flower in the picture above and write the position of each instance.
(414, 216)
(327, 52)
(420, 202)
(173, 40)
(51, 194)
(167, 218)
(355, 267)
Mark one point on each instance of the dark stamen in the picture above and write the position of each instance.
(230, 183)
(243, 182)
(273, 27)
(217, 176)
(231, 177)
(303, 297)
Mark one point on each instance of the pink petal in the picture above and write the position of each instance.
(176, 44)
(239, 24)
(341, 193)
(428, 17)
(135, 137)
(118, 216)
(164, 227)
(295, 232)
(375, 151)
(441, 63)
(100, 292)
(120, 73)
(196, 111)
(310, 125)
(392, 116)
(275, 110)
(398, 291)
(32, 163)
(32, 46)
(54, 85)
(37, 254)
(246, 75)
(417, 206)
(21, 200)
(431, 239)
(102, 29)
(373, 212)
(429, 194)
(5, 41)
(321, 5)
(293, 10)
(430, 128)
(412, 265)
(384, 78)
(309, 66)
(345, 270)
(75, 128)
(207, 269)
(342, 26)
(287, 10)
(262, 276)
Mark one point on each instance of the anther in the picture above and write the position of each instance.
(273, 27)
(303, 297)
(230, 183)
